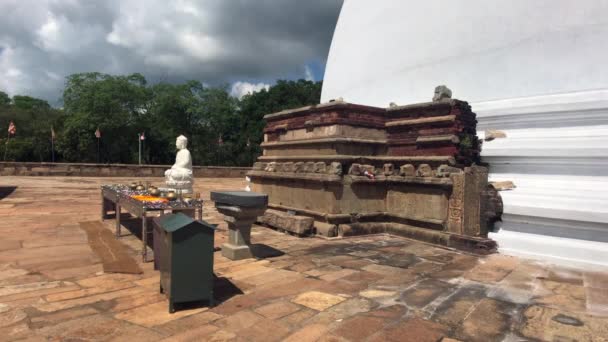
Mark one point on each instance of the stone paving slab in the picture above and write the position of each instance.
(366, 288)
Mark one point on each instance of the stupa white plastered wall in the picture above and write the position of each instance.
(533, 69)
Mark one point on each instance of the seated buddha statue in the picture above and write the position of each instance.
(179, 176)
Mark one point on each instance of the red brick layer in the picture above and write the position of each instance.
(401, 140)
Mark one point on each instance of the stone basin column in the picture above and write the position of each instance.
(240, 210)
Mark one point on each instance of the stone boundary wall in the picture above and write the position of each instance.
(111, 170)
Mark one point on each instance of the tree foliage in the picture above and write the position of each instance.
(221, 129)
(33, 118)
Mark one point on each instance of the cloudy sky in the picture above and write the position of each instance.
(247, 44)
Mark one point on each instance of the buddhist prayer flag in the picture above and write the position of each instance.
(12, 129)
(142, 136)
(97, 133)
(220, 141)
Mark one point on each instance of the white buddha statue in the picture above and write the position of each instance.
(179, 176)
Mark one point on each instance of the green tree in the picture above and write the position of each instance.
(33, 118)
(221, 129)
(283, 95)
(116, 105)
(5, 100)
(30, 103)
(200, 113)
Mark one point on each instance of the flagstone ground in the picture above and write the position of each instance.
(372, 288)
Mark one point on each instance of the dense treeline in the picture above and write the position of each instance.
(222, 130)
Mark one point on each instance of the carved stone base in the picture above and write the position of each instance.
(234, 252)
(240, 210)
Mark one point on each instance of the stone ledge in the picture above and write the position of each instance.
(432, 139)
(316, 177)
(111, 170)
(338, 105)
(423, 121)
(339, 140)
(363, 159)
(396, 179)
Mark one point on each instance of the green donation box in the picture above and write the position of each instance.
(185, 248)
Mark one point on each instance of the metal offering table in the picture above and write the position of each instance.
(117, 197)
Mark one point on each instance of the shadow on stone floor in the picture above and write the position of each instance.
(224, 289)
(6, 191)
(261, 251)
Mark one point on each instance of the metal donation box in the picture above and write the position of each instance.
(185, 248)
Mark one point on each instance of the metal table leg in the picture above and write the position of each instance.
(117, 220)
(103, 207)
(144, 236)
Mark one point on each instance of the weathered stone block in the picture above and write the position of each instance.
(424, 170)
(309, 167)
(407, 170)
(388, 169)
(288, 167)
(355, 170)
(335, 168)
(320, 167)
(298, 167)
(371, 169)
(271, 167)
(446, 170)
(301, 225)
(326, 229)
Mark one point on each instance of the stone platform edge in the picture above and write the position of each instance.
(112, 170)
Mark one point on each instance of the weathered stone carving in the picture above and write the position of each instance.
(335, 168)
(320, 167)
(288, 167)
(407, 170)
(442, 93)
(271, 167)
(455, 209)
(309, 167)
(298, 167)
(424, 170)
(446, 170)
(476, 182)
(371, 169)
(355, 170)
(388, 169)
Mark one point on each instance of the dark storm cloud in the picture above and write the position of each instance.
(216, 42)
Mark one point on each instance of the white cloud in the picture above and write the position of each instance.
(240, 89)
(213, 41)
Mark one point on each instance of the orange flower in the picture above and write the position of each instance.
(146, 198)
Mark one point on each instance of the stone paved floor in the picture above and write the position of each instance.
(374, 288)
